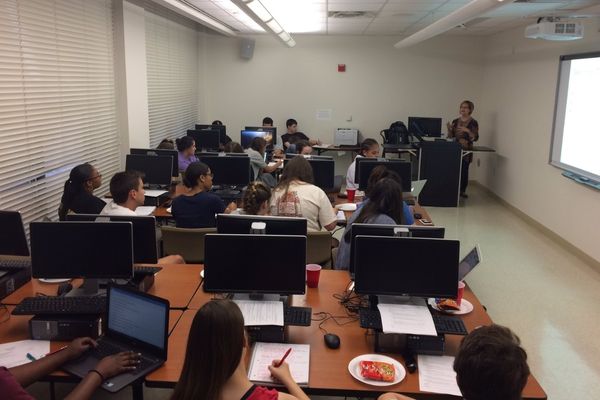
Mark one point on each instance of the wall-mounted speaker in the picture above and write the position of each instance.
(247, 48)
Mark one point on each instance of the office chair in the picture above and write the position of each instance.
(318, 248)
(188, 243)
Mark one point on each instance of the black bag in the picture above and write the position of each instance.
(396, 134)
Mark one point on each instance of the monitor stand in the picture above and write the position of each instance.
(89, 288)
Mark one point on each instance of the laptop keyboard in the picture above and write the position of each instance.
(106, 349)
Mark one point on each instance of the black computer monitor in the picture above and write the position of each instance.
(240, 224)
(13, 241)
(157, 170)
(323, 171)
(402, 168)
(245, 270)
(90, 250)
(221, 128)
(144, 233)
(269, 133)
(161, 152)
(227, 170)
(216, 154)
(423, 126)
(432, 232)
(205, 139)
(399, 266)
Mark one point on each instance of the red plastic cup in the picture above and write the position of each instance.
(461, 291)
(351, 193)
(312, 275)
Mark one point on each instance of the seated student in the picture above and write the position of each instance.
(379, 173)
(127, 190)
(13, 380)
(186, 146)
(292, 132)
(262, 171)
(296, 196)
(368, 148)
(166, 144)
(490, 365)
(77, 196)
(256, 199)
(223, 140)
(215, 361)
(233, 147)
(384, 207)
(301, 147)
(267, 122)
(197, 207)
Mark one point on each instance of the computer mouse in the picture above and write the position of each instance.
(332, 340)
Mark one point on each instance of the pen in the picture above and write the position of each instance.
(32, 358)
(55, 351)
(287, 353)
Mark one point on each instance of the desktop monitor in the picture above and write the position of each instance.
(323, 171)
(246, 270)
(205, 140)
(13, 241)
(161, 152)
(269, 133)
(366, 166)
(432, 232)
(241, 224)
(144, 233)
(221, 128)
(92, 250)
(431, 127)
(400, 266)
(157, 170)
(228, 170)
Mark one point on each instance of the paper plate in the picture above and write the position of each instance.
(346, 207)
(465, 307)
(47, 280)
(354, 369)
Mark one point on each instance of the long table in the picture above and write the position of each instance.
(329, 368)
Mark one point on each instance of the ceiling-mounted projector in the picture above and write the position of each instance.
(555, 30)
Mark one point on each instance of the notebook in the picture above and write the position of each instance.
(263, 355)
(136, 321)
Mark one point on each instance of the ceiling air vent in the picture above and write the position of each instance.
(350, 14)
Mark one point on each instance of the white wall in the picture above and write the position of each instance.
(380, 85)
(515, 117)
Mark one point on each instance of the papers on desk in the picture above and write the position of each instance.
(154, 193)
(144, 210)
(436, 375)
(261, 312)
(263, 355)
(406, 316)
(15, 353)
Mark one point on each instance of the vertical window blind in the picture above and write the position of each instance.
(57, 99)
(172, 69)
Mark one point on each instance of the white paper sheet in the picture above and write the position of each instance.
(264, 353)
(261, 312)
(154, 193)
(407, 318)
(437, 376)
(145, 210)
(15, 353)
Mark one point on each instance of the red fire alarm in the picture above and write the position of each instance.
(341, 67)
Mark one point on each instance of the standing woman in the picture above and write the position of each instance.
(77, 195)
(466, 131)
(186, 146)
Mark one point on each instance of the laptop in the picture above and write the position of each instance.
(12, 234)
(467, 264)
(136, 322)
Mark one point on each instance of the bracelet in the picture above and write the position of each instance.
(99, 374)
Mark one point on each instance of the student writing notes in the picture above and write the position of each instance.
(78, 193)
(296, 196)
(215, 360)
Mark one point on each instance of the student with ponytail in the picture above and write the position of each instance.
(256, 199)
(77, 196)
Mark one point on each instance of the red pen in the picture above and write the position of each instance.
(287, 353)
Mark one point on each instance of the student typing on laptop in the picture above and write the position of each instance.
(14, 379)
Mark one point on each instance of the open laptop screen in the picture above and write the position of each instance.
(138, 316)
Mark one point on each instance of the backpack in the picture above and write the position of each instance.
(396, 134)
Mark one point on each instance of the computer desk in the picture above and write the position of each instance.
(176, 283)
(329, 368)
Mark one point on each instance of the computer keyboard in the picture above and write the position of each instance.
(61, 305)
(105, 349)
(371, 319)
(145, 270)
(14, 262)
(297, 316)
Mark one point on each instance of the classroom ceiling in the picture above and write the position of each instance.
(388, 17)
